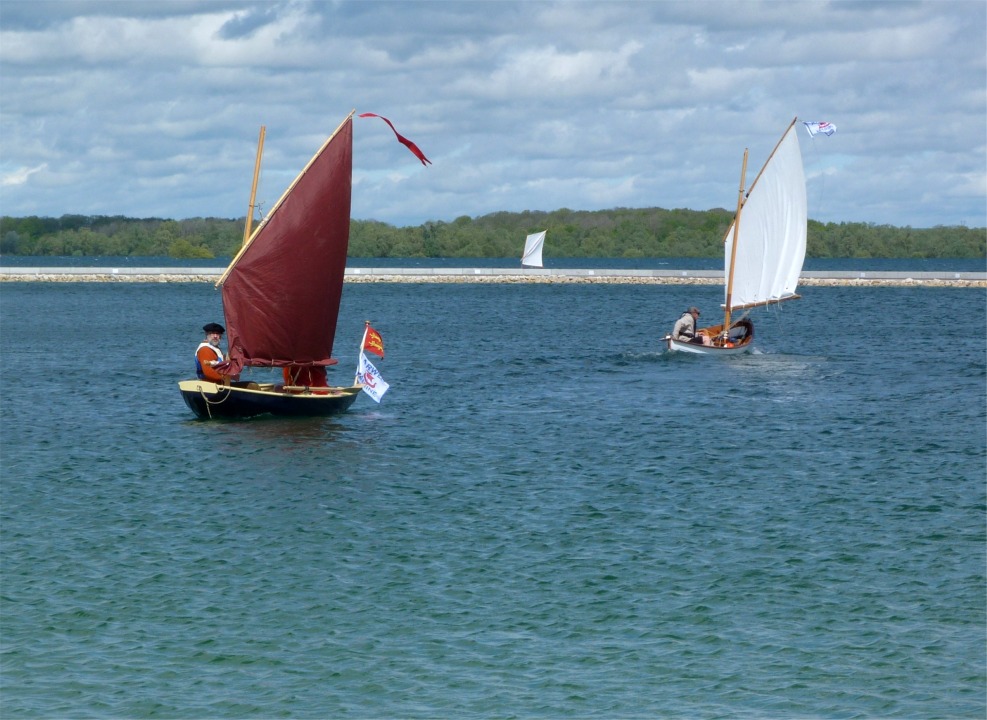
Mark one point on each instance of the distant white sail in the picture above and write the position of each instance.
(533, 245)
(771, 242)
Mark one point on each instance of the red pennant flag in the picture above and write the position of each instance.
(373, 342)
(401, 139)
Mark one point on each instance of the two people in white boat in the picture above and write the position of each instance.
(685, 329)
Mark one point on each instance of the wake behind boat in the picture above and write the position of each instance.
(281, 296)
(763, 250)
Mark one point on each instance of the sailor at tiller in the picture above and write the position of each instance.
(685, 328)
(208, 354)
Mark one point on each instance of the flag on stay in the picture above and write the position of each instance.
(373, 342)
(401, 139)
(373, 383)
(819, 128)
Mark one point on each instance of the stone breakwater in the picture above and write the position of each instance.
(667, 280)
(500, 275)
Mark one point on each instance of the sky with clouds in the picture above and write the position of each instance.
(153, 109)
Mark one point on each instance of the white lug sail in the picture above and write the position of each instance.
(771, 241)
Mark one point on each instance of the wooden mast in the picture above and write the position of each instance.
(286, 193)
(253, 188)
(733, 248)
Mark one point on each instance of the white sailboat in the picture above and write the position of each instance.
(533, 245)
(763, 250)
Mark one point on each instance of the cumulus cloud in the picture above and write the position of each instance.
(153, 109)
(21, 175)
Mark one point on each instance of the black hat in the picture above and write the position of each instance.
(213, 327)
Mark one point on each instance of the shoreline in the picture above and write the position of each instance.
(502, 275)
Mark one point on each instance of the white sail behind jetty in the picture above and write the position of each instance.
(771, 241)
(533, 245)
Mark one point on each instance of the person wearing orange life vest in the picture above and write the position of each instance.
(208, 354)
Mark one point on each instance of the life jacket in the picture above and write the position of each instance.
(198, 366)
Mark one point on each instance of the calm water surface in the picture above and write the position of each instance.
(547, 516)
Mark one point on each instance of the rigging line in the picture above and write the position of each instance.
(821, 176)
(209, 402)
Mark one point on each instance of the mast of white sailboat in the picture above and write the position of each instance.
(253, 188)
(733, 247)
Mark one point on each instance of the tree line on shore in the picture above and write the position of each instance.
(616, 233)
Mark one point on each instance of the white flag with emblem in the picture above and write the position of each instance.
(373, 383)
(819, 128)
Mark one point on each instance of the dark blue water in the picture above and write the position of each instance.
(547, 516)
(811, 264)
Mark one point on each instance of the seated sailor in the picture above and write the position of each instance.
(209, 354)
(685, 328)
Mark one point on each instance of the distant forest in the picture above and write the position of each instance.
(618, 233)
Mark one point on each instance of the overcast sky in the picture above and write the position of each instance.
(152, 109)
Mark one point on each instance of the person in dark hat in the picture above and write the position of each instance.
(209, 354)
(685, 328)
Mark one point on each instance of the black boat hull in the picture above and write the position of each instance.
(248, 399)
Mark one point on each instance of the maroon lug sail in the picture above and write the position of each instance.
(281, 293)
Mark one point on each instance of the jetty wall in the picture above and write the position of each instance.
(499, 275)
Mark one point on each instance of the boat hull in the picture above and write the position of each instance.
(741, 340)
(248, 399)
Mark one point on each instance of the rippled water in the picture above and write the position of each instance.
(546, 517)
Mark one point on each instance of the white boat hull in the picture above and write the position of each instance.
(741, 340)
(696, 349)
